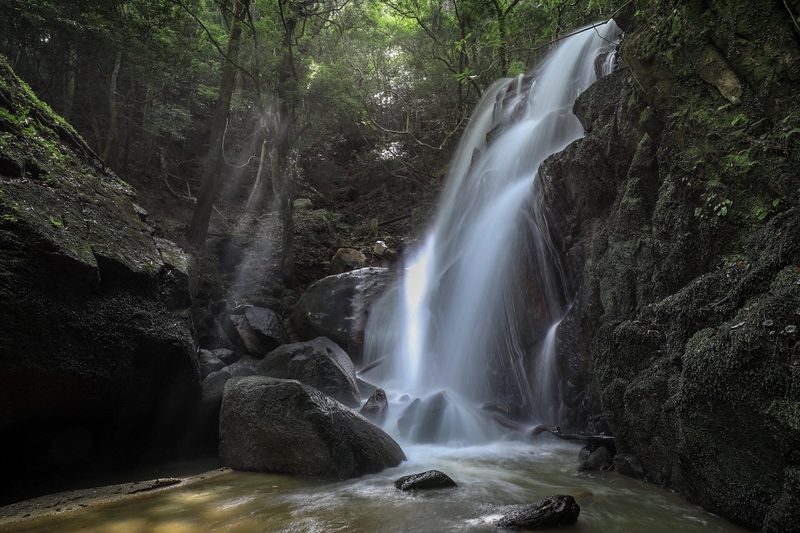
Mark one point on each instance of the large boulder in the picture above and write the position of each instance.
(338, 306)
(97, 355)
(320, 363)
(283, 426)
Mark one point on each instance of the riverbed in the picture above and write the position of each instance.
(492, 479)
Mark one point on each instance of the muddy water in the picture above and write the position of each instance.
(492, 479)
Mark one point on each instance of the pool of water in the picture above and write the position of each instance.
(492, 479)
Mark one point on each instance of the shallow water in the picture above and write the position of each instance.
(491, 479)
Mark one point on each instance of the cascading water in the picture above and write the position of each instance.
(449, 326)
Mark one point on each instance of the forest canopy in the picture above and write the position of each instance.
(228, 96)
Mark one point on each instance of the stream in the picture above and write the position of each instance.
(491, 479)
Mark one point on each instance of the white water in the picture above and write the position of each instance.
(449, 327)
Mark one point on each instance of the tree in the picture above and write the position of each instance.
(198, 227)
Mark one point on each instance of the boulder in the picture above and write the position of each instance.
(421, 421)
(247, 336)
(407, 417)
(546, 513)
(209, 363)
(347, 259)
(376, 408)
(267, 327)
(320, 363)
(366, 388)
(338, 306)
(96, 342)
(599, 459)
(286, 427)
(432, 479)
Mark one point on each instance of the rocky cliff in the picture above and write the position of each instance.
(97, 353)
(677, 221)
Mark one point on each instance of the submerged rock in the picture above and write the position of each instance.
(432, 479)
(283, 426)
(320, 363)
(546, 513)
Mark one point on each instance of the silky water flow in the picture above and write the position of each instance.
(448, 336)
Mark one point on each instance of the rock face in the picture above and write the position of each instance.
(338, 306)
(432, 479)
(283, 426)
(96, 344)
(679, 235)
(546, 513)
(320, 363)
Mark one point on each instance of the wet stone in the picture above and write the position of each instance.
(431, 479)
(546, 513)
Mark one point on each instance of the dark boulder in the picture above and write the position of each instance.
(209, 363)
(338, 306)
(432, 479)
(247, 337)
(283, 426)
(407, 417)
(320, 363)
(598, 459)
(366, 388)
(376, 408)
(204, 436)
(421, 421)
(267, 326)
(97, 356)
(548, 512)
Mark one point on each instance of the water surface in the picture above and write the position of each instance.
(492, 480)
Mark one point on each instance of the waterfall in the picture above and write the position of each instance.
(452, 325)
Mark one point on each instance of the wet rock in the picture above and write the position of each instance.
(267, 326)
(283, 426)
(365, 387)
(209, 363)
(376, 407)
(548, 512)
(204, 436)
(424, 422)
(247, 336)
(432, 479)
(511, 411)
(320, 363)
(225, 355)
(345, 260)
(599, 459)
(338, 306)
(95, 327)
(407, 417)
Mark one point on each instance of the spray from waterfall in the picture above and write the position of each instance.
(454, 324)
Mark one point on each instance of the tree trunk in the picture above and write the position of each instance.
(198, 227)
(113, 109)
(69, 91)
(282, 173)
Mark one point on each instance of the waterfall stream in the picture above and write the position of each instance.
(451, 326)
